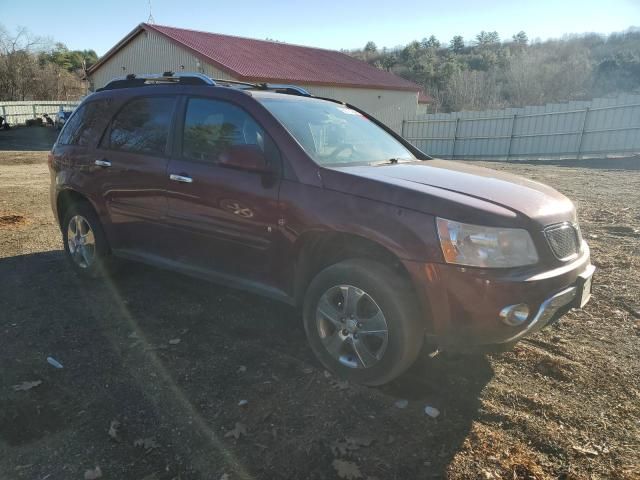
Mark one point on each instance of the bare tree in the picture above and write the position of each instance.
(27, 69)
(472, 90)
(17, 63)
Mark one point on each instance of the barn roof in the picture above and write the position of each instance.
(424, 97)
(263, 60)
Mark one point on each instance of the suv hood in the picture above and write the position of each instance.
(442, 178)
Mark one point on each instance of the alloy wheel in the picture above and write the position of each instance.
(351, 326)
(81, 241)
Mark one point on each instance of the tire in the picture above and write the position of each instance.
(92, 258)
(378, 358)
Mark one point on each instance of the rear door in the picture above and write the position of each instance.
(222, 219)
(132, 159)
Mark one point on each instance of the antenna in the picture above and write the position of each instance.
(150, 20)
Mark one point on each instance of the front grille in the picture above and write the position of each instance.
(564, 240)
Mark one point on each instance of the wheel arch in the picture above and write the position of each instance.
(316, 251)
(68, 197)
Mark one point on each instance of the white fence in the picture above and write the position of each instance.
(603, 126)
(19, 112)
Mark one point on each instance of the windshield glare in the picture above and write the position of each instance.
(333, 134)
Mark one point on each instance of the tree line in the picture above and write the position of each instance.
(488, 73)
(481, 73)
(36, 68)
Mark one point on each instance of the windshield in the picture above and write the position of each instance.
(334, 134)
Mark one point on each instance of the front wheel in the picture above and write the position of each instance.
(362, 321)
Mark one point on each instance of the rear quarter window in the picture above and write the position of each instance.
(86, 124)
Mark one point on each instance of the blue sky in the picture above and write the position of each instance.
(326, 23)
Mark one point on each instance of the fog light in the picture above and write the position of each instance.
(514, 315)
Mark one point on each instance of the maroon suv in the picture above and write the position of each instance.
(315, 203)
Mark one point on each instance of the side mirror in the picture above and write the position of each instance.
(244, 157)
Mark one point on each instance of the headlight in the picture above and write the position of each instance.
(479, 246)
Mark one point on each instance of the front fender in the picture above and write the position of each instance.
(408, 234)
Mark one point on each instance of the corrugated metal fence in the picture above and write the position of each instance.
(19, 112)
(603, 126)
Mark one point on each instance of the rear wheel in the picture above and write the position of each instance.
(362, 321)
(84, 241)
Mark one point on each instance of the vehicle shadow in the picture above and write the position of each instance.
(169, 358)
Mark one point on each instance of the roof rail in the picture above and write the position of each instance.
(192, 78)
(139, 80)
(284, 88)
(276, 87)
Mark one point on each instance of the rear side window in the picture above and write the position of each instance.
(85, 125)
(212, 126)
(142, 126)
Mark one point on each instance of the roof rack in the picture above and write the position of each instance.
(275, 87)
(289, 89)
(139, 80)
(192, 78)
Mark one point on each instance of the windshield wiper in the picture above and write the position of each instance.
(389, 161)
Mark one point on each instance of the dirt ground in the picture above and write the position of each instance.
(157, 368)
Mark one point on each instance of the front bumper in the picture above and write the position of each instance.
(463, 304)
(559, 303)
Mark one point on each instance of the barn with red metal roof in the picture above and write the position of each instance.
(153, 48)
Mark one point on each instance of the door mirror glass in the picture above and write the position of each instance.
(245, 157)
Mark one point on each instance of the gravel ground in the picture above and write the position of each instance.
(156, 366)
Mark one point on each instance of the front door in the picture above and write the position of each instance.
(222, 219)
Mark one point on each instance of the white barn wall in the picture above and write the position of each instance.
(150, 52)
(391, 107)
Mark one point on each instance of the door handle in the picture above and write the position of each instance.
(180, 178)
(103, 163)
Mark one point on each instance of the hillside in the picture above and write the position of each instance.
(489, 73)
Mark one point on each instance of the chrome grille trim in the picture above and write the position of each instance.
(564, 239)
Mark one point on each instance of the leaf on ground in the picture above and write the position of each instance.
(347, 470)
(114, 426)
(339, 448)
(174, 341)
(585, 451)
(148, 443)
(26, 385)
(401, 403)
(93, 474)
(239, 430)
(363, 441)
(350, 444)
(339, 384)
(151, 476)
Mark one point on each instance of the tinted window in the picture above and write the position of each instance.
(85, 125)
(212, 126)
(142, 126)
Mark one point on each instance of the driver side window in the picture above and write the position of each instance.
(212, 126)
